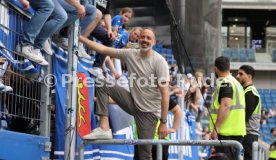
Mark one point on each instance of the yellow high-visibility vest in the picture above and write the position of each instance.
(272, 154)
(234, 124)
(257, 111)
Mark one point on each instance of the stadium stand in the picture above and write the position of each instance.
(235, 55)
(251, 55)
(226, 52)
(167, 53)
(243, 56)
(268, 97)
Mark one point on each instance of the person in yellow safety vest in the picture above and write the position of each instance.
(272, 149)
(227, 108)
(176, 110)
(252, 108)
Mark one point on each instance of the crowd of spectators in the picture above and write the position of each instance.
(196, 94)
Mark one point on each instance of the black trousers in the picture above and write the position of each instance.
(247, 145)
(230, 152)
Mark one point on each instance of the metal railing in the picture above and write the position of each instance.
(27, 106)
(159, 144)
(260, 151)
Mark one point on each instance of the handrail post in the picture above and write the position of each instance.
(255, 150)
(259, 153)
(159, 152)
(81, 150)
(180, 83)
(240, 152)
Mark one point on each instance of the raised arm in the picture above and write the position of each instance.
(177, 112)
(99, 48)
(107, 20)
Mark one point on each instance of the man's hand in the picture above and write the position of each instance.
(111, 35)
(179, 92)
(214, 135)
(128, 45)
(117, 76)
(25, 4)
(162, 130)
(81, 11)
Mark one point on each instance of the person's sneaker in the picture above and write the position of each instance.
(82, 52)
(47, 47)
(63, 42)
(7, 89)
(38, 52)
(27, 52)
(98, 133)
(2, 86)
(3, 60)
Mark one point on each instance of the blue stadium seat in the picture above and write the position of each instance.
(159, 45)
(235, 54)
(267, 95)
(266, 131)
(164, 50)
(169, 51)
(269, 104)
(243, 55)
(260, 91)
(268, 140)
(266, 91)
(271, 122)
(251, 55)
(226, 53)
(273, 91)
(268, 99)
(158, 50)
(264, 127)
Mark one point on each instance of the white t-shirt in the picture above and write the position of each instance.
(144, 74)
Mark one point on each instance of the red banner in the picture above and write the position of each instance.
(83, 115)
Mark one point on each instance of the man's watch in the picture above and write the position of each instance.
(164, 121)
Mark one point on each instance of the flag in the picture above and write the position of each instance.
(85, 111)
